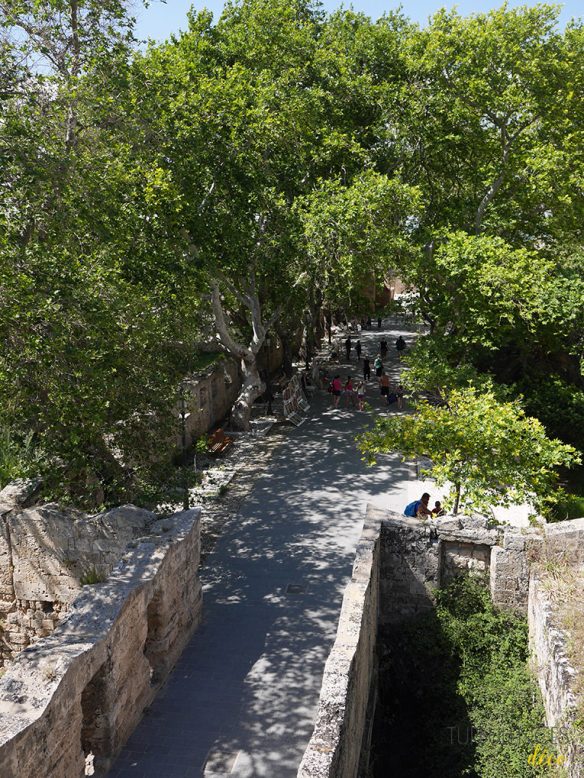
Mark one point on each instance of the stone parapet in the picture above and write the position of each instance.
(46, 554)
(74, 697)
(399, 563)
(335, 748)
(555, 673)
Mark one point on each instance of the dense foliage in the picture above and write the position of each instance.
(489, 452)
(263, 171)
(456, 694)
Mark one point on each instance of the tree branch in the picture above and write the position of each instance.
(226, 339)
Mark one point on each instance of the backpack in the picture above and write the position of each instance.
(412, 508)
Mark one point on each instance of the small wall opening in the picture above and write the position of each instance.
(154, 647)
(96, 736)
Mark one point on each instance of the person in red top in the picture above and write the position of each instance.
(337, 388)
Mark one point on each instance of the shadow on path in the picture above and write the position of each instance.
(243, 696)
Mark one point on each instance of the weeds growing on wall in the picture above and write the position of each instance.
(456, 696)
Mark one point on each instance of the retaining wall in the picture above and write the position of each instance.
(399, 563)
(74, 698)
(556, 585)
(344, 709)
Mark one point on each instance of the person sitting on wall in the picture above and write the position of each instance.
(419, 508)
(422, 511)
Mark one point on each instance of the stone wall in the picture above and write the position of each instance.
(345, 708)
(410, 565)
(209, 396)
(400, 561)
(46, 554)
(74, 697)
(556, 596)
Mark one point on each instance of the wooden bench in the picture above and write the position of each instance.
(219, 442)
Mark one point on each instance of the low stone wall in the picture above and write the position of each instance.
(555, 589)
(74, 697)
(341, 726)
(46, 554)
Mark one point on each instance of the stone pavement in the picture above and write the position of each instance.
(242, 699)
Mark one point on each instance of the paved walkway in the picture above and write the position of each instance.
(243, 696)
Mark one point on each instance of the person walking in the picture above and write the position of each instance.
(399, 393)
(348, 348)
(384, 384)
(358, 349)
(336, 387)
(378, 365)
(361, 391)
(400, 344)
(366, 369)
(349, 392)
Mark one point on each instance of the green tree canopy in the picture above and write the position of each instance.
(488, 452)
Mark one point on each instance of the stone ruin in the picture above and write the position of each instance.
(84, 661)
(47, 554)
(398, 564)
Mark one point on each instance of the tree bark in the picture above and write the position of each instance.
(253, 386)
(251, 389)
(456, 499)
(286, 350)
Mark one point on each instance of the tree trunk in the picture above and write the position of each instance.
(329, 325)
(251, 389)
(456, 499)
(253, 386)
(286, 349)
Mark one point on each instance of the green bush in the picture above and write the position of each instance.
(501, 695)
(18, 457)
(568, 506)
(456, 696)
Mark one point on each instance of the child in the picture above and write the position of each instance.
(349, 393)
(361, 394)
(438, 510)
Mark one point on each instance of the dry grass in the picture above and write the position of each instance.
(565, 586)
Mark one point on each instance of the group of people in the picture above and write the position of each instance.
(420, 510)
(352, 393)
(400, 345)
(348, 392)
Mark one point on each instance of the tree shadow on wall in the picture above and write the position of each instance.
(421, 727)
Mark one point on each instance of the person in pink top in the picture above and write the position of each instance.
(349, 393)
(337, 388)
